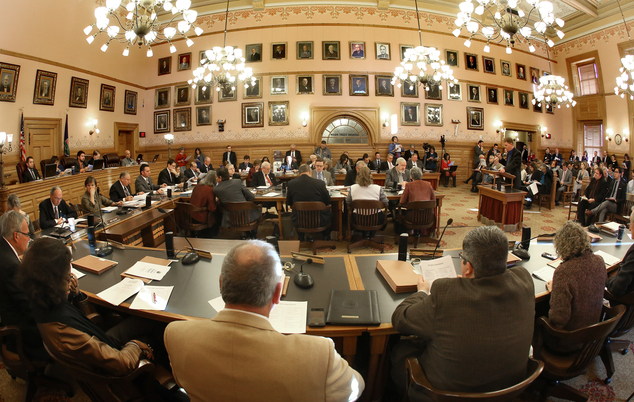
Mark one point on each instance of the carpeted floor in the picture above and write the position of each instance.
(461, 205)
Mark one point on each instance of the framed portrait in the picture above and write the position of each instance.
(203, 116)
(403, 49)
(451, 58)
(204, 95)
(509, 98)
(549, 109)
(78, 92)
(305, 50)
(182, 119)
(253, 114)
(358, 85)
(410, 114)
(45, 83)
(492, 95)
(279, 85)
(332, 84)
(489, 64)
(409, 91)
(357, 50)
(184, 61)
(9, 82)
(505, 68)
(226, 94)
(537, 107)
(475, 118)
(254, 91)
(253, 53)
(523, 100)
(165, 65)
(129, 107)
(433, 114)
(162, 98)
(520, 71)
(534, 75)
(278, 51)
(106, 98)
(162, 122)
(382, 51)
(182, 95)
(278, 113)
(383, 85)
(471, 61)
(454, 92)
(434, 93)
(474, 93)
(331, 50)
(305, 85)
(202, 57)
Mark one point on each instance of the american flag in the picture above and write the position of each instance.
(22, 141)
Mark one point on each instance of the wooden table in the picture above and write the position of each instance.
(504, 208)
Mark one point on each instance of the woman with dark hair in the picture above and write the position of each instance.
(255, 169)
(395, 148)
(92, 202)
(343, 164)
(627, 167)
(59, 168)
(573, 156)
(431, 159)
(446, 163)
(199, 156)
(266, 159)
(584, 158)
(203, 196)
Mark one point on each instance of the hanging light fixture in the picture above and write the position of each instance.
(222, 67)
(625, 82)
(141, 25)
(510, 22)
(551, 90)
(431, 70)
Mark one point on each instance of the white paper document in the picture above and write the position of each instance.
(611, 226)
(186, 193)
(438, 268)
(533, 187)
(109, 209)
(152, 298)
(120, 292)
(607, 258)
(545, 273)
(134, 204)
(272, 194)
(77, 273)
(217, 304)
(147, 270)
(289, 317)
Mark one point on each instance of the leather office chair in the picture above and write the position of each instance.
(240, 217)
(309, 222)
(558, 367)
(366, 219)
(43, 164)
(31, 371)
(20, 168)
(417, 384)
(622, 327)
(111, 160)
(417, 216)
(68, 162)
(184, 217)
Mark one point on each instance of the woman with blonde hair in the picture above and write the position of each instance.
(365, 189)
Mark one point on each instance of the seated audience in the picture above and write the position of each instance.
(206, 166)
(476, 176)
(431, 159)
(494, 164)
(232, 171)
(565, 180)
(256, 168)
(468, 339)
(413, 161)
(295, 155)
(128, 161)
(31, 173)
(445, 165)
(614, 198)
(228, 190)
(581, 175)
(144, 184)
(170, 176)
(623, 282)
(322, 151)
(544, 184)
(388, 164)
(203, 196)
(411, 151)
(55, 211)
(14, 204)
(92, 202)
(592, 197)
(397, 175)
(343, 164)
(376, 163)
(307, 188)
(80, 165)
(120, 190)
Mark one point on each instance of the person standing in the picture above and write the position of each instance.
(513, 163)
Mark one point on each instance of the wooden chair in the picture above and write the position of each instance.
(184, 217)
(548, 198)
(366, 216)
(623, 216)
(417, 384)
(309, 222)
(559, 367)
(31, 371)
(417, 216)
(622, 327)
(240, 216)
(77, 208)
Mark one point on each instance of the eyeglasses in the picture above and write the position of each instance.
(462, 257)
(23, 234)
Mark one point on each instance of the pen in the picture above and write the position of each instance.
(154, 297)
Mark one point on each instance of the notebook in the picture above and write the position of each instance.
(94, 265)
(353, 307)
(400, 275)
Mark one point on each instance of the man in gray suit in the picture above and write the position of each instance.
(565, 180)
(397, 175)
(320, 173)
(414, 161)
(144, 183)
(469, 340)
(233, 191)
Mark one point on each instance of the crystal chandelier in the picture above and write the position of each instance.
(625, 82)
(510, 22)
(551, 91)
(141, 26)
(432, 71)
(222, 67)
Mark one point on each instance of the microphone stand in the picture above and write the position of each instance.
(190, 258)
(449, 222)
(107, 249)
(302, 280)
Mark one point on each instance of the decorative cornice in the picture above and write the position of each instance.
(601, 37)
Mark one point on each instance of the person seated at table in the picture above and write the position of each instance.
(246, 164)
(296, 155)
(128, 161)
(120, 190)
(411, 151)
(92, 202)
(313, 158)
(431, 159)
(139, 159)
(485, 346)
(414, 161)
(592, 197)
(239, 356)
(416, 190)
(543, 186)
(322, 151)
(397, 175)
(266, 159)
(256, 168)
(169, 175)
(80, 164)
(343, 164)
(307, 188)
(622, 282)
(233, 191)
(30, 173)
(193, 171)
(264, 177)
(366, 159)
(59, 168)
(328, 167)
(365, 189)
(614, 198)
(351, 176)
(55, 210)
(445, 166)
(203, 196)
(14, 204)
(576, 290)
(181, 160)
(144, 184)
(95, 155)
(206, 166)
(321, 174)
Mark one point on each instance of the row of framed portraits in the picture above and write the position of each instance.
(488, 66)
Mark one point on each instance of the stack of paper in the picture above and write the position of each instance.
(152, 298)
(607, 258)
(148, 270)
(120, 292)
(109, 209)
(438, 268)
(545, 273)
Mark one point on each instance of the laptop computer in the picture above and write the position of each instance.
(50, 170)
(453, 168)
(97, 164)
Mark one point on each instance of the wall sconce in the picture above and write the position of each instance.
(609, 133)
(94, 127)
(4, 139)
(304, 118)
(386, 118)
(169, 140)
(626, 133)
(543, 130)
(499, 129)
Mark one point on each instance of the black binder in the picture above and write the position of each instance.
(353, 307)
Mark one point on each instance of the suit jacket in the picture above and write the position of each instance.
(351, 178)
(141, 184)
(168, 178)
(597, 190)
(298, 156)
(375, 164)
(327, 177)
(477, 151)
(238, 357)
(620, 194)
(258, 179)
(190, 173)
(514, 167)
(623, 282)
(243, 166)
(391, 177)
(408, 154)
(305, 188)
(27, 177)
(47, 215)
(234, 191)
(117, 193)
(231, 157)
(385, 167)
(419, 163)
(476, 350)
(417, 190)
(205, 169)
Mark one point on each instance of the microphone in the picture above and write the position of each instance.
(302, 280)
(190, 258)
(107, 249)
(449, 222)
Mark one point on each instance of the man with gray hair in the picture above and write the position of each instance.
(399, 174)
(55, 210)
(264, 177)
(296, 156)
(351, 176)
(120, 190)
(239, 356)
(128, 161)
(468, 339)
(13, 204)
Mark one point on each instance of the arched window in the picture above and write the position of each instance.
(345, 130)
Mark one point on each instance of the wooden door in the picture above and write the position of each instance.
(126, 141)
(43, 138)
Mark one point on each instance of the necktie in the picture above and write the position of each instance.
(268, 180)
(615, 188)
(125, 191)
(320, 176)
(32, 174)
(56, 212)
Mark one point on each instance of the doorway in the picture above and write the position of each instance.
(42, 138)
(127, 137)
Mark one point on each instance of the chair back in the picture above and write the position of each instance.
(20, 168)
(184, 213)
(417, 382)
(240, 215)
(17, 364)
(43, 164)
(111, 160)
(627, 321)
(68, 162)
(627, 205)
(36, 225)
(418, 215)
(309, 216)
(367, 215)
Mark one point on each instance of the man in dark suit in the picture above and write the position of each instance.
(80, 164)
(229, 156)
(120, 190)
(296, 155)
(376, 163)
(168, 175)
(305, 188)
(229, 190)
(192, 171)
(412, 150)
(513, 163)
(31, 173)
(254, 56)
(260, 178)
(206, 166)
(388, 164)
(351, 176)
(473, 360)
(143, 184)
(614, 198)
(414, 161)
(246, 164)
(54, 210)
